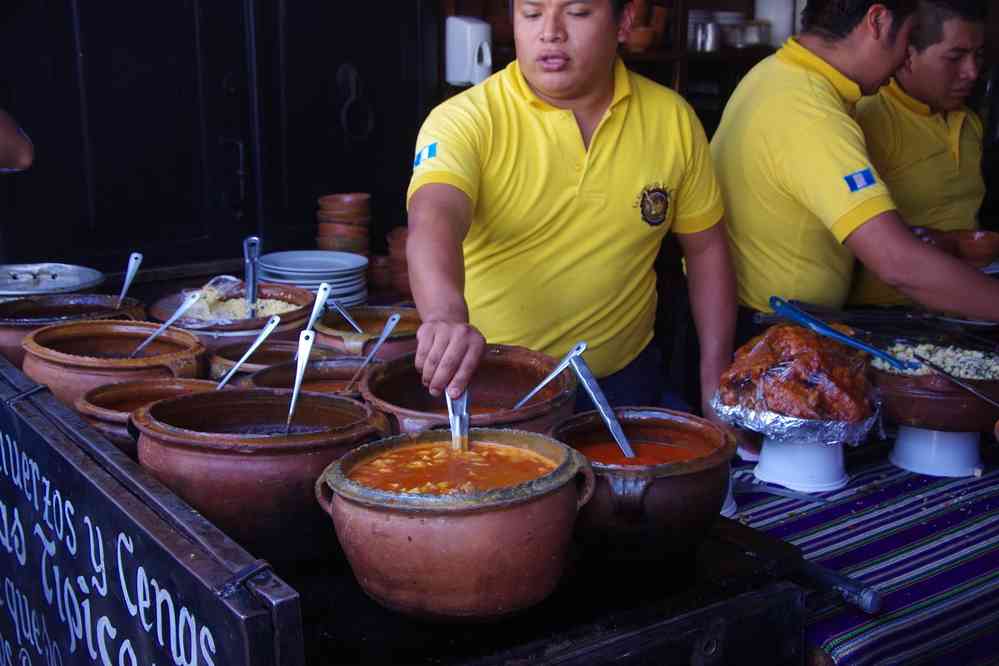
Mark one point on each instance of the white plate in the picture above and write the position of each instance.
(313, 261)
(968, 322)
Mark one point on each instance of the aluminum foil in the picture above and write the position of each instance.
(785, 428)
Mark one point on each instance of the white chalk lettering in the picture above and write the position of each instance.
(105, 628)
(207, 646)
(126, 651)
(74, 616)
(97, 557)
(163, 598)
(145, 601)
(12, 534)
(125, 543)
(188, 656)
(48, 550)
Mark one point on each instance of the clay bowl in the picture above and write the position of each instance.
(108, 407)
(640, 38)
(325, 376)
(23, 315)
(978, 248)
(503, 377)
(270, 352)
(358, 221)
(74, 358)
(339, 244)
(345, 202)
(474, 556)
(225, 453)
(333, 331)
(930, 401)
(215, 334)
(644, 512)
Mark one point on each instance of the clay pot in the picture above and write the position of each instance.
(226, 454)
(503, 377)
(645, 512)
(108, 407)
(270, 352)
(326, 376)
(74, 358)
(474, 556)
(20, 316)
(978, 248)
(931, 401)
(347, 201)
(215, 334)
(358, 221)
(640, 38)
(337, 244)
(342, 230)
(333, 331)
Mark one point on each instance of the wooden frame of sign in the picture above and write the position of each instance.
(100, 564)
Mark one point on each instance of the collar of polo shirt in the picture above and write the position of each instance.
(907, 100)
(794, 52)
(622, 87)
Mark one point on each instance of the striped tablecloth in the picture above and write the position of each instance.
(929, 545)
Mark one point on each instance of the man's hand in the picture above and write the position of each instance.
(447, 355)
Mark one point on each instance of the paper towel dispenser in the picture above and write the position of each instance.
(468, 50)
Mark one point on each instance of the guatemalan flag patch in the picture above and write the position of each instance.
(425, 154)
(859, 180)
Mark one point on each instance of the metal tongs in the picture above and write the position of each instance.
(189, 300)
(589, 383)
(305, 340)
(791, 313)
(251, 255)
(386, 331)
(457, 415)
(343, 313)
(577, 350)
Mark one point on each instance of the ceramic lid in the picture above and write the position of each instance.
(46, 278)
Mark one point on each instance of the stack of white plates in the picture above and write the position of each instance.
(344, 271)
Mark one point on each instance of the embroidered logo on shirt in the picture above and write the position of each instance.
(654, 204)
(425, 154)
(859, 180)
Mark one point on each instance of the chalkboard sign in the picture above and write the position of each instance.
(89, 574)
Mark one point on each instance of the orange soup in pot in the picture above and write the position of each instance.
(438, 470)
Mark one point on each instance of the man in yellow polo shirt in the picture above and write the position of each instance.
(538, 203)
(802, 196)
(923, 140)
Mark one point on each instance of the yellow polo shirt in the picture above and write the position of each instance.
(796, 179)
(931, 162)
(563, 239)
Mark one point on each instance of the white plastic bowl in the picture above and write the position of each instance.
(802, 465)
(935, 453)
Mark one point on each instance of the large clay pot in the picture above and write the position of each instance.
(215, 334)
(226, 454)
(73, 358)
(20, 316)
(504, 376)
(470, 556)
(933, 402)
(109, 407)
(333, 331)
(328, 376)
(269, 353)
(645, 512)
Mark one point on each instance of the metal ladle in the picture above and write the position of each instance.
(305, 340)
(386, 331)
(189, 300)
(272, 323)
(251, 254)
(317, 308)
(134, 261)
(589, 383)
(343, 313)
(576, 350)
(457, 416)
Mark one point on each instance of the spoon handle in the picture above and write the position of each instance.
(576, 350)
(134, 261)
(189, 300)
(589, 383)
(305, 339)
(343, 313)
(386, 331)
(272, 323)
(321, 295)
(251, 253)
(457, 414)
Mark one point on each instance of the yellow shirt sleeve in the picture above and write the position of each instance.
(699, 199)
(449, 150)
(834, 179)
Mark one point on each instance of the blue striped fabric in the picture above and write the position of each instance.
(929, 545)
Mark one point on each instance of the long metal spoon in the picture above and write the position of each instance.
(457, 416)
(251, 254)
(305, 339)
(272, 323)
(317, 308)
(189, 300)
(134, 261)
(386, 331)
(343, 313)
(967, 387)
(589, 383)
(577, 350)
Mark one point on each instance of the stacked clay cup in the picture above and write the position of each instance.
(343, 221)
